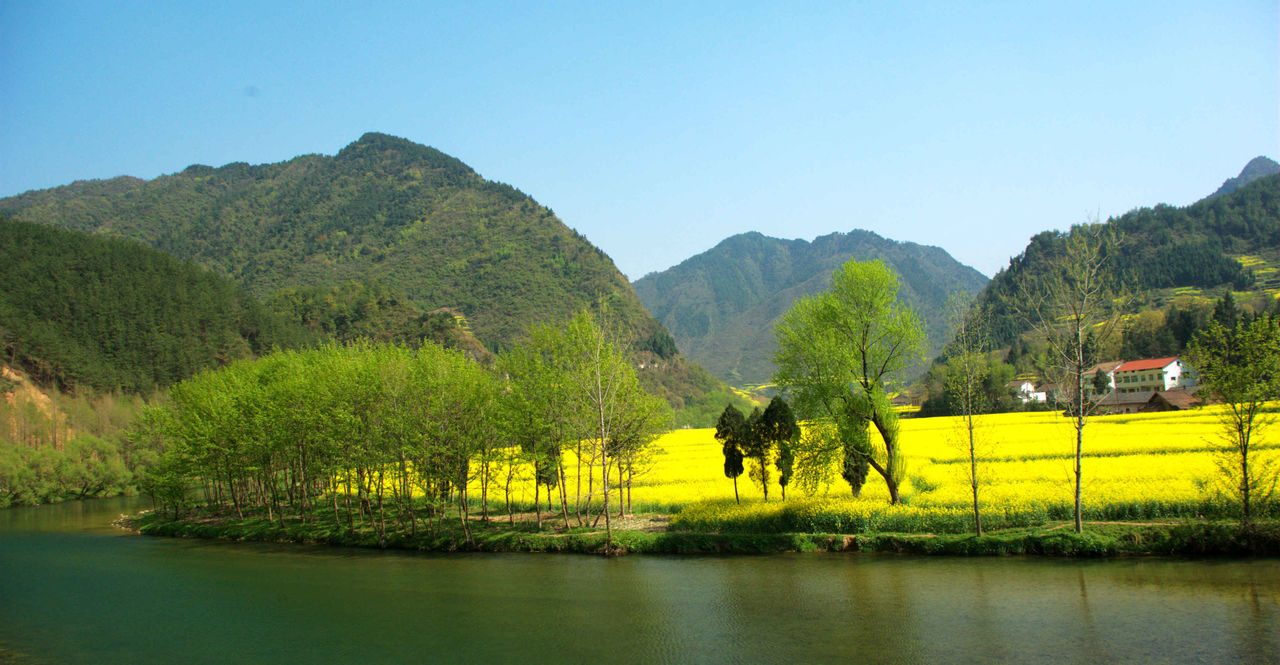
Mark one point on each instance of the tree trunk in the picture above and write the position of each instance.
(564, 494)
(484, 489)
(973, 475)
(890, 469)
(577, 496)
(1244, 429)
(537, 509)
(622, 499)
(1079, 449)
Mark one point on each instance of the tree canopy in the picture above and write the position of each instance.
(837, 354)
(107, 313)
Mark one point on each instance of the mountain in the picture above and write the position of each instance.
(1258, 167)
(110, 314)
(1165, 253)
(721, 305)
(389, 216)
(383, 209)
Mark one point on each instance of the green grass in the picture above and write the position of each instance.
(1188, 537)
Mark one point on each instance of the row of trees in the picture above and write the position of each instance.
(765, 438)
(58, 447)
(839, 351)
(393, 437)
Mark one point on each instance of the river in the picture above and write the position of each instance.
(75, 590)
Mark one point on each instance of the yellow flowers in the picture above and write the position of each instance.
(1143, 466)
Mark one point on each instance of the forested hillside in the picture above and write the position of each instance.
(387, 221)
(1228, 242)
(111, 314)
(721, 305)
(384, 209)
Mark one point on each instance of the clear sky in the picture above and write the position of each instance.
(659, 129)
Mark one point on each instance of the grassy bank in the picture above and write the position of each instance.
(648, 535)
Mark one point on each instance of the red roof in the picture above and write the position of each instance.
(1149, 363)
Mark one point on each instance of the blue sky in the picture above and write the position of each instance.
(659, 129)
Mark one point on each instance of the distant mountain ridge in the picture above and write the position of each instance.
(720, 305)
(383, 209)
(1229, 241)
(1258, 167)
(391, 217)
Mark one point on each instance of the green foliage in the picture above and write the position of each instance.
(66, 447)
(80, 310)
(991, 391)
(731, 432)
(379, 242)
(837, 353)
(721, 305)
(1163, 247)
(276, 434)
(1240, 367)
(778, 427)
(383, 210)
(659, 344)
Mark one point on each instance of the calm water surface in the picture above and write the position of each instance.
(75, 590)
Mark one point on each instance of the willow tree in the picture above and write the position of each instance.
(837, 354)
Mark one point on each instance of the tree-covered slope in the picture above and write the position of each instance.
(1230, 241)
(81, 310)
(384, 211)
(721, 305)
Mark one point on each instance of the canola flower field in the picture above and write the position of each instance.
(1153, 466)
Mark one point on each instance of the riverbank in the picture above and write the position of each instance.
(648, 534)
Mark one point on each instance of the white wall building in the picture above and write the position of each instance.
(1153, 374)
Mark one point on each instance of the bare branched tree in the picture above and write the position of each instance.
(1075, 305)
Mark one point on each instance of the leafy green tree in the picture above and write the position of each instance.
(758, 448)
(532, 407)
(605, 396)
(643, 419)
(1225, 313)
(837, 353)
(1241, 368)
(778, 426)
(730, 432)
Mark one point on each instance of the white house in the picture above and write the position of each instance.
(1026, 391)
(1153, 374)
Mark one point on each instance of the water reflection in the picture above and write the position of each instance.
(86, 594)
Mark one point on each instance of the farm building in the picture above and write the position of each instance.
(1152, 374)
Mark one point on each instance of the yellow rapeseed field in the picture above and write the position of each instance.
(1142, 466)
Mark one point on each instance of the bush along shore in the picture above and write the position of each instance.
(654, 534)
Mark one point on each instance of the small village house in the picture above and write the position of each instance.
(1026, 391)
(1152, 374)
